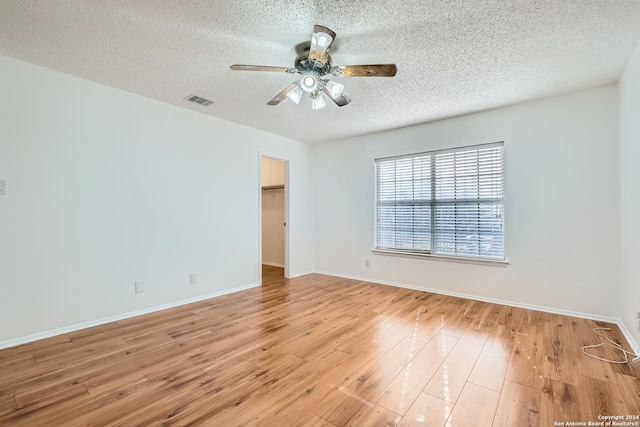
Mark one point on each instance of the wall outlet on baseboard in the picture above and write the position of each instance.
(193, 278)
(139, 286)
(367, 263)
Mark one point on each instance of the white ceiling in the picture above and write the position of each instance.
(453, 56)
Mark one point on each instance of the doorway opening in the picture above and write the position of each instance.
(274, 205)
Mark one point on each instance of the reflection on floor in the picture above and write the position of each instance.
(320, 351)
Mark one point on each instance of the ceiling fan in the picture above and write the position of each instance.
(315, 66)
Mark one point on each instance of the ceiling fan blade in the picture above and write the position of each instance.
(321, 43)
(282, 95)
(239, 67)
(374, 70)
(340, 100)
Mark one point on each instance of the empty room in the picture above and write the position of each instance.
(320, 214)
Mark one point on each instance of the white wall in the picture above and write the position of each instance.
(105, 187)
(561, 204)
(629, 88)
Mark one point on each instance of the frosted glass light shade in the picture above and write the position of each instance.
(318, 102)
(335, 88)
(295, 94)
(320, 42)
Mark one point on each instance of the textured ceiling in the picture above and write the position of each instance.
(453, 56)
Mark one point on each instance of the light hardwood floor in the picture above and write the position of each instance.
(320, 351)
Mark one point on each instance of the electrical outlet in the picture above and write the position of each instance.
(367, 263)
(3, 186)
(193, 278)
(139, 286)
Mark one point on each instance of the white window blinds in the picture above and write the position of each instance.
(443, 202)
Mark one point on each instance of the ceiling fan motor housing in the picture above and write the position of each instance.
(304, 64)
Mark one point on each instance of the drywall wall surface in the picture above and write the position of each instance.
(104, 188)
(629, 298)
(561, 172)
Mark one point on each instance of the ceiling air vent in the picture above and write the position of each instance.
(199, 100)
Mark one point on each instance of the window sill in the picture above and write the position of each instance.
(447, 258)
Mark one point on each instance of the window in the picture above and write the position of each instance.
(448, 202)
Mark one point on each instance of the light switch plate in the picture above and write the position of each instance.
(3, 186)
(139, 287)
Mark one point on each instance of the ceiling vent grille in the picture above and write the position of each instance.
(199, 100)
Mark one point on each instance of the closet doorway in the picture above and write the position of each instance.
(274, 202)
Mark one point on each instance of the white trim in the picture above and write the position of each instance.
(72, 328)
(301, 274)
(448, 258)
(260, 216)
(634, 345)
(287, 210)
(286, 162)
(273, 264)
(617, 321)
(67, 329)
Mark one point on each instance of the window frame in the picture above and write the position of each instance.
(433, 202)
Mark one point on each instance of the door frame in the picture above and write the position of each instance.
(262, 155)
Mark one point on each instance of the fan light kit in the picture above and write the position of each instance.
(315, 66)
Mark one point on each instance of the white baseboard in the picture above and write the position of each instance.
(480, 298)
(273, 264)
(634, 345)
(552, 310)
(293, 276)
(72, 328)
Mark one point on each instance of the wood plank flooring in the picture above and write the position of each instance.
(320, 351)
